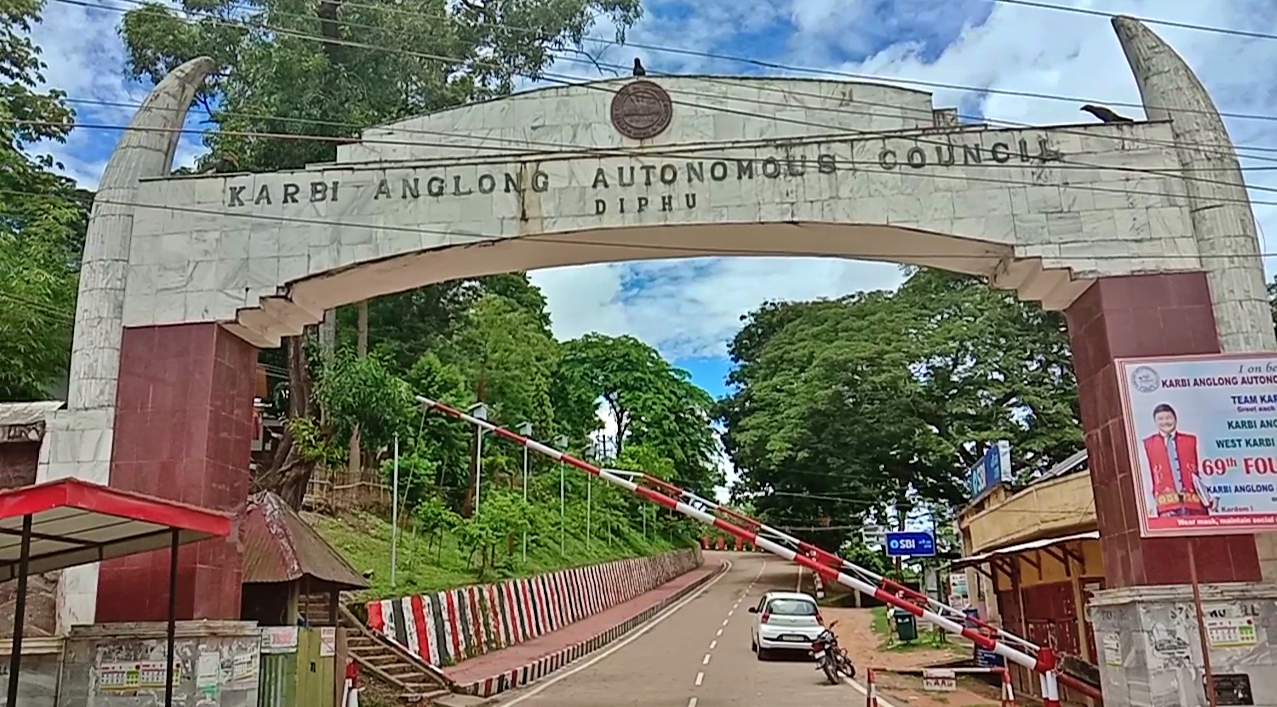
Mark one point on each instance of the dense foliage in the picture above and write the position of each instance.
(866, 407)
(42, 218)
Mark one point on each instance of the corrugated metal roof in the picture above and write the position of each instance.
(26, 413)
(281, 547)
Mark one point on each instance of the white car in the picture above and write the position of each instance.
(785, 621)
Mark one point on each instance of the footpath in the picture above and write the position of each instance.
(490, 674)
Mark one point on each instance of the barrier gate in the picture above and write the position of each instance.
(829, 567)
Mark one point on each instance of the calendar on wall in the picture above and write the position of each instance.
(142, 675)
(1231, 632)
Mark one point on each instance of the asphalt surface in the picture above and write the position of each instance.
(697, 656)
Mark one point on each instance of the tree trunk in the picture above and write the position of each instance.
(288, 474)
(361, 348)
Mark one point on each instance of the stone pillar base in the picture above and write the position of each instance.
(1150, 651)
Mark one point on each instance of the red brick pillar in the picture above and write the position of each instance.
(183, 431)
(1142, 315)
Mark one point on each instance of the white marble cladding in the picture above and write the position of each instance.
(1099, 203)
(704, 108)
(1150, 651)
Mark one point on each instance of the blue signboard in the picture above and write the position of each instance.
(907, 544)
(993, 468)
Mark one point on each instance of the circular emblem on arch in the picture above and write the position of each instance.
(1145, 379)
(641, 110)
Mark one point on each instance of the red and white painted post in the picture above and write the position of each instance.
(1047, 679)
(871, 689)
(1008, 693)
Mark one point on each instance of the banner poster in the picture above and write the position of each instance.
(1202, 433)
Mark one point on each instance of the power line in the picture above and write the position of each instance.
(867, 77)
(689, 150)
(1164, 23)
(545, 75)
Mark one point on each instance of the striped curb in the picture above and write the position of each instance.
(542, 667)
(445, 628)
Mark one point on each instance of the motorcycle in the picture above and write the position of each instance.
(831, 657)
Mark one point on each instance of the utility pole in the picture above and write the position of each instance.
(562, 443)
(525, 429)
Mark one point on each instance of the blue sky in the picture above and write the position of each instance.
(690, 309)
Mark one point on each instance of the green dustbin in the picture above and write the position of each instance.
(906, 625)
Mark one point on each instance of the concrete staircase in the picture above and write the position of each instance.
(415, 681)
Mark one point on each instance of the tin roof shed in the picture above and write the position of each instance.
(280, 547)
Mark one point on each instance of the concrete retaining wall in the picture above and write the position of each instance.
(445, 628)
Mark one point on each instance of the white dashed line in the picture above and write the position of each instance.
(725, 621)
(706, 661)
(731, 612)
(691, 702)
(700, 677)
(720, 632)
(713, 645)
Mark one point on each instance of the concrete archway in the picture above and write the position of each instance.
(184, 277)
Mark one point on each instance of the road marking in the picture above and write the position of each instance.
(699, 678)
(660, 618)
(799, 586)
(713, 645)
(725, 621)
(720, 632)
(731, 612)
(691, 702)
(706, 661)
(881, 702)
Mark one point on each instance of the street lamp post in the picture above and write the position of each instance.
(394, 515)
(479, 411)
(562, 443)
(525, 429)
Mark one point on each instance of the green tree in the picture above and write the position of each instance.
(649, 402)
(42, 217)
(507, 359)
(331, 68)
(869, 405)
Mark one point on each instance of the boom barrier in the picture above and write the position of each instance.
(830, 567)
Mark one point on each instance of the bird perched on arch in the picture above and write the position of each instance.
(1106, 115)
(638, 68)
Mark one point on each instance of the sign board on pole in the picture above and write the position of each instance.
(1202, 433)
(937, 680)
(910, 544)
(993, 468)
(873, 535)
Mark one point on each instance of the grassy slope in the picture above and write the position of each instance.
(423, 567)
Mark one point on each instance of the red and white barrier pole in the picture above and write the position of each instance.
(1008, 694)
(1050, 685)
(871, 689)
(826, 572)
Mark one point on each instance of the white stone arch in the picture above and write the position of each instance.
(1043, 211)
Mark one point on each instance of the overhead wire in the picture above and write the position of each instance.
(869, 77)
(845, 130)
(549, 76)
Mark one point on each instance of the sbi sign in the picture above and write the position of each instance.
(992, 469)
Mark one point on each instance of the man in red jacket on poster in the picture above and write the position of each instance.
(1173, 462)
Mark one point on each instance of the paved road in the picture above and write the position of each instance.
(697, 657)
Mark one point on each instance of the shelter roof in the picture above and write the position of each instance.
(75, 522)
(1022, 547)
(281, 547)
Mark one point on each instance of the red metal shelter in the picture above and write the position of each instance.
(64, 523)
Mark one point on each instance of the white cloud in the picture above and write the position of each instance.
(692, 307)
